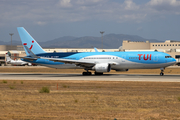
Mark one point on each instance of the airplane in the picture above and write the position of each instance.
(16, 62)
(100, 62)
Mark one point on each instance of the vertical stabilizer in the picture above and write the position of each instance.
(8, 59)
(29, 41)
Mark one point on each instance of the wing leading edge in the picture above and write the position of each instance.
(76, 62)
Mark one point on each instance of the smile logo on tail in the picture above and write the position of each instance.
(31, 45)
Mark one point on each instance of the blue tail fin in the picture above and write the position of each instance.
(96, 49)
(29, 41)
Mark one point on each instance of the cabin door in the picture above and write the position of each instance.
(123, 58)
(155, 58)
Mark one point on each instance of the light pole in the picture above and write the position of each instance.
(102, 38)
(11, 34)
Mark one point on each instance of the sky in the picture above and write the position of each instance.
(50, 19)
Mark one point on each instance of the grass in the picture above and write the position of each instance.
(22, 82)
(178, 98)
(44, 90)
(11, 87)
(65, 86)
(85, 100)
(76, 101)
(4, 81)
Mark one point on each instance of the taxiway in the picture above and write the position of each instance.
(105, 77)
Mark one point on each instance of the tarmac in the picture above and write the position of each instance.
(105, 77)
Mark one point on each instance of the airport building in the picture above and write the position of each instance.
(166, 46)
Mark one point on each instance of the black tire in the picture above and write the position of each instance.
(86, 73)
(161, 74)
(89, 73)
(98, 73)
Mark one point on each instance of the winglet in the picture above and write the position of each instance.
(96, 49)
(8, 59)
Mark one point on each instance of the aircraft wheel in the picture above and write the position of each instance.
(162, 71)
(98, 73)
(161, 74)
(86, 73)
(89, 73)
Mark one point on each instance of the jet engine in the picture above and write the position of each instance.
(102, 67)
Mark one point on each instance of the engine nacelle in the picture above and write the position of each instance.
(122, 70)
(102, 67)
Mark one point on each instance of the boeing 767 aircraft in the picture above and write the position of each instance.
(99, 62)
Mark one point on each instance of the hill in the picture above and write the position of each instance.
(109, 41)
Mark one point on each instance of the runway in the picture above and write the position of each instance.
(105, 77)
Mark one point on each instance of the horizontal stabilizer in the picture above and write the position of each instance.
(30, 52)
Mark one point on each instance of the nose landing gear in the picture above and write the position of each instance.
(162, 71)
(161, 74)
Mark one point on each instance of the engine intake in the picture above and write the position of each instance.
(102, 67)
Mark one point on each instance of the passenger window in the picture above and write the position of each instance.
(168, 56)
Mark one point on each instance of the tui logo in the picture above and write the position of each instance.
(31, 45)
(145, 56)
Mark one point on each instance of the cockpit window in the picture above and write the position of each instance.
(168, 57)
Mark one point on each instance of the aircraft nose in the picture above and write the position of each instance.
(174, 60)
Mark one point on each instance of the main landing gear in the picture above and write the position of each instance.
(87, 73)
(162, 71)
(98, 73)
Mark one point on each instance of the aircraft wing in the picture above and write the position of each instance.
(76, 62)
(28, 58)
(33, 56)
